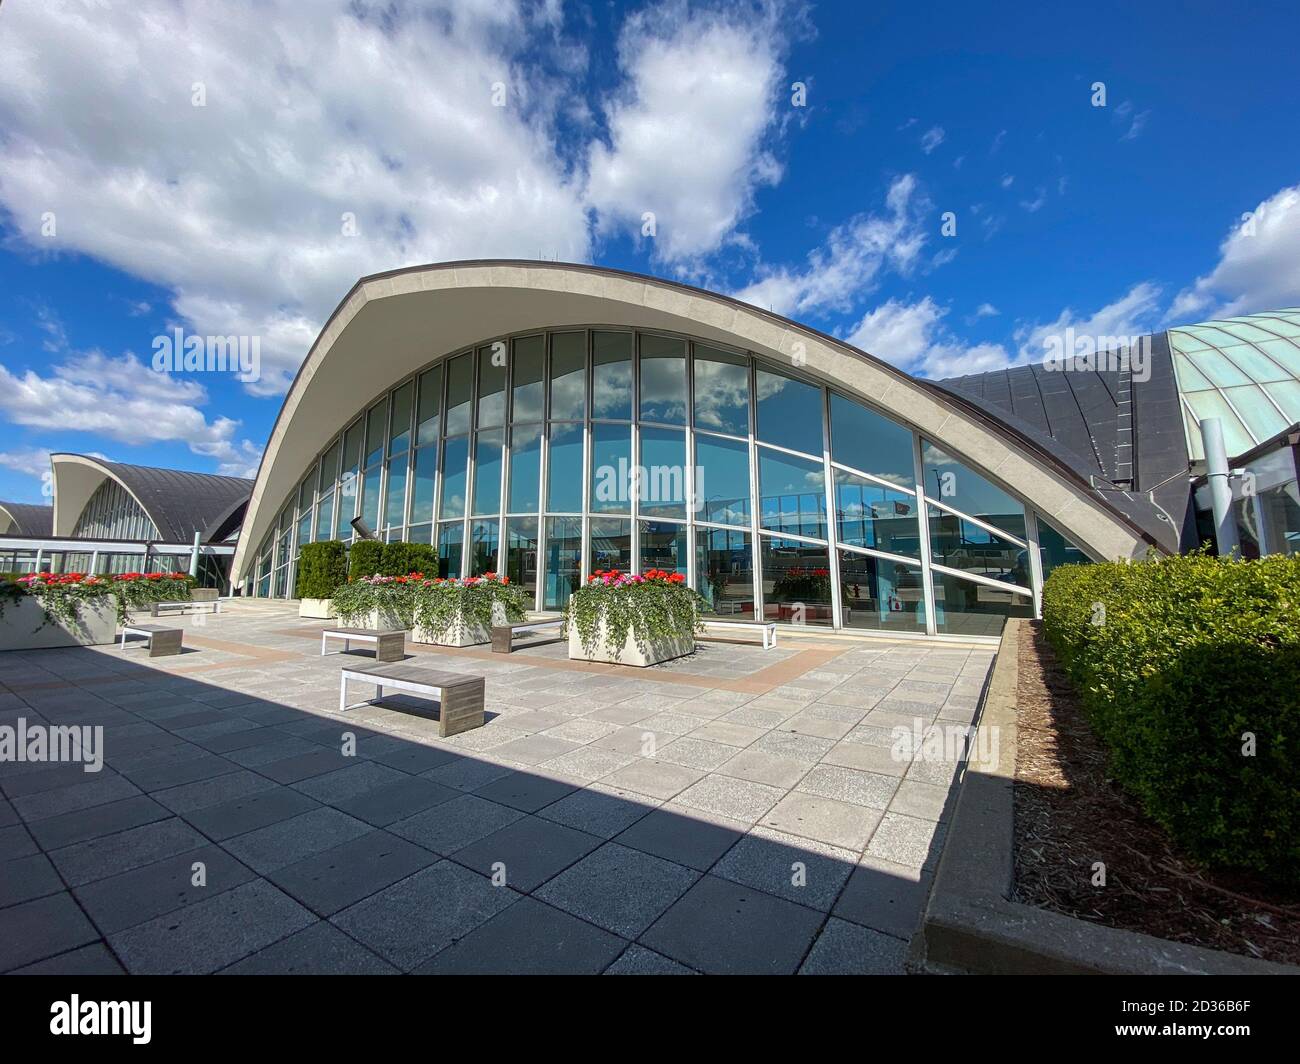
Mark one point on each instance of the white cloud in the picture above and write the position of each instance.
(912, 336)
(34, 461)
(1034, 205)
(1135, 122)
(1008, 180)
(931, 139)
(312, 111)
(846, 266)
(1133, 314)
(688, 134)
(986, 310)
(1258, 267)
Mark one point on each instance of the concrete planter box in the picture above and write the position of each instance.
(382, 620)
(317, 609)
(631, 653)
(22, 627)
(460, 634)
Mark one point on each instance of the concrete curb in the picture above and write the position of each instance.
(971, 927)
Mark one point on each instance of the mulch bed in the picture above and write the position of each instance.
(1069, 815)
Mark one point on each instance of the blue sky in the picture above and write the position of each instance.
(163, 166)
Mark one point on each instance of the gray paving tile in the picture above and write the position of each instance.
(905, 840)
(95, 821)
(161, 775)
(342, 875)
(96, 790)
(735, 799)
(824, 819)
(637, 960)
(467, 773)
(617, 888)
(598, 810)
(526, 791)
(847, 949)
(799, 870)
(349, 782)
(25, 878)
(527, 853)
(412, 920)
(414, 758)
(528, 938)
(675, 835)
(762, 766)
(211, 934)
(321, 949)
(43, 927)
(720, 927)
(304, 766)
(658, 779)
(883, 896)
(100, 858)
(94, 959)
(16, 841)
(215, 791)
(253, 811)
(870, 789)
(390, 802)
(453, 825)
(280, 844)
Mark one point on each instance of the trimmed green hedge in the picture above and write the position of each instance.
(1179, 662)
(321, 568)
(363, 558)
(402, 559)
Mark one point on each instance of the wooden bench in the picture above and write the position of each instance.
(390, 643)
(769, 628)
(460, 697)
(156, 609)
(503, 635)
(161, 641)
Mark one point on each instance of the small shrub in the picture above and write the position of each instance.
(321, 568)
(655, 605)
(364, 558)
(1182, 663)
(400, 559)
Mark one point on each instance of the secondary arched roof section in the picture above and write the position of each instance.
(25, 519)
(178, 502)
(392, 323)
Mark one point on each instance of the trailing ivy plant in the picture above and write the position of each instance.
(392, 595)
(654, 606)
(441, 604)
(61, 595)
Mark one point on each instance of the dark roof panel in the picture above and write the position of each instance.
(30, 519)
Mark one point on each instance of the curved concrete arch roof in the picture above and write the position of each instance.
(178, 502)
(26, 519)
(393, 323)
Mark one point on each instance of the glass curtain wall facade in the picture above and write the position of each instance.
(111, 513)
(551, 455)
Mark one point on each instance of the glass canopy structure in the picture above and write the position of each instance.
(550, 454)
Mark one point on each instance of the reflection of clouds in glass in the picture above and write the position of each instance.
(525, 435)
(612, 390)
(568, 394)
(721, 396)
(663, 389)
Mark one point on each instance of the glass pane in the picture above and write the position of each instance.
(663, 379)
(419, 533)
(789, 412)
(796, 581)
(874, 516)
(376, 425)
(611, 469)
(483, 547)
(1054, 549)
(426, 471)
(395, 503)
(792, 494)
(305, 494)
(325, 517)
(371, 481)
(526, 379)
(564, 470)
(721, 480)
(525, 468)
(347, 507)
(871, 442)
(611, 544)
(521, 555)
(460, 384)
(663, 546)
(611, 376)
(487, 472)
(352, 448)
(880, 594)
(721, 391)
(963, 607)
(568, 376)
(724, 572)
(953, 484)
(451, 538)
(563, 560)
(961, 544)
(455, 474)
(492, 385)
(662, 473)
(329, 468)
(399, 429)
(304, 529)
(426, 414)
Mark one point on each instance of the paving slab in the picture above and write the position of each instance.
(41, 928)
(528, 852)
(618, 888)
(338, 877)
(848, 949)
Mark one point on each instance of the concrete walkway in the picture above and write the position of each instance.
(736, 811)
